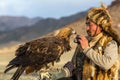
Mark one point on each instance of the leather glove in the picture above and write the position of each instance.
(69, 65)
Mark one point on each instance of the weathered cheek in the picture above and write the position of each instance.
(93, 29)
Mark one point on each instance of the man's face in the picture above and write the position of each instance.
(92, 29)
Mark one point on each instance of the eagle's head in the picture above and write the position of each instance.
(65, 33)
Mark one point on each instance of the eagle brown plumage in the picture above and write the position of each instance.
(34, 55)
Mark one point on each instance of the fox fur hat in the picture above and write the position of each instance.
(102, 18)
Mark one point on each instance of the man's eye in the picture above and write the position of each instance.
(88, 24)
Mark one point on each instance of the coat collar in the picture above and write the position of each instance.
(95, 39)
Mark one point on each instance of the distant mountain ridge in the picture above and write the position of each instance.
(12, 22)
(38, 29)
(45, 26)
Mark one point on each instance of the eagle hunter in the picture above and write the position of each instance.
(36, 54)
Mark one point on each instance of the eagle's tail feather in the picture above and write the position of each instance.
(18, 72)
(9, 68)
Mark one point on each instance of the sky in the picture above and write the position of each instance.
(47, 8)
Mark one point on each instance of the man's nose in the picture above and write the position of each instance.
(87, 27)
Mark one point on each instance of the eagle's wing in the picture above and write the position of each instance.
(40, 51)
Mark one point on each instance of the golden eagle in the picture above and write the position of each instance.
(34, 55)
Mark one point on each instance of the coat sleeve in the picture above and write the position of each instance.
(108, 59)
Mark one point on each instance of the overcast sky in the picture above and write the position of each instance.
(46, 8)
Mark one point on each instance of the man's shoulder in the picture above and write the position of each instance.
(112, 42)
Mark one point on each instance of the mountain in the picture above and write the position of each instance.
(114, 9)
(10, 22)
(45, 26)
(42, 27)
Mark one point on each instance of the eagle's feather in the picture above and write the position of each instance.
(34, 55)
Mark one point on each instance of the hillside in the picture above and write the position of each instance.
(114, 10)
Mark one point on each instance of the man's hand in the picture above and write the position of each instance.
(83, 41)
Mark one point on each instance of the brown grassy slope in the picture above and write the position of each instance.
(114, 9)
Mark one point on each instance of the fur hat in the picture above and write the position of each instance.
(102, 18)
